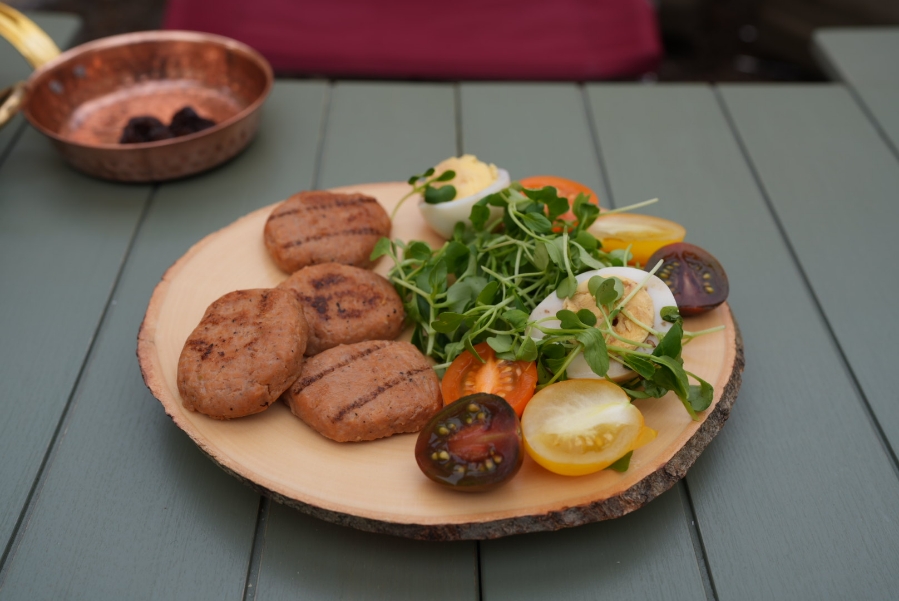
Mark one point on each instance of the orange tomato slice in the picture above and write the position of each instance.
(644, 234)
(514, 381)
(565, 188)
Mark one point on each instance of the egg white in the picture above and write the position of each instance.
(659, 293)
(443, 217)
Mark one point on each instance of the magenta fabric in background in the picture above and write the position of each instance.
(461, 39)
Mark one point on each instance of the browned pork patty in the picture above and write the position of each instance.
(345, 304)
(246, 351)
(323, 227)
(365, 391)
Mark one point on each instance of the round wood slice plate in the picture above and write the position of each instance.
(377, 486)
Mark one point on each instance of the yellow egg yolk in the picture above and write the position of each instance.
(472, 175)
(640, 306)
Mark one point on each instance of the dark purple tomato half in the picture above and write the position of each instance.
(695, 277)
(472, 444)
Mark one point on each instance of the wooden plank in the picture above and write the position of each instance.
(63, 237)
(543, 129)
(865, 59)
(386, 132)
(837, 202)
(859, 55)
(13, 67)
(882, 101)
(310, 559)
(375, 132)
(795, 499)
(129, 507)
(531, 129)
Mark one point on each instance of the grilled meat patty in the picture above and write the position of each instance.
(321, 227)
(246, 351)
(366, 390)
(345, 304)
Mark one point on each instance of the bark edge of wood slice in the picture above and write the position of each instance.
(377, 486)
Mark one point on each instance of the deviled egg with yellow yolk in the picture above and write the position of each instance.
(473, 181)
(645, 307)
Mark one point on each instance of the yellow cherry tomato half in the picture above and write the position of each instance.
(644, 234)
(578, 427)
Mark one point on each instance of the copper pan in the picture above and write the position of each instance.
(83, 98)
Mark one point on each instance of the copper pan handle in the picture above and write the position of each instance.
(32, 43)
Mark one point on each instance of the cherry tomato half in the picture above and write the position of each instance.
(578, 427)
(565, 188)
(472, 444)
(644, 234)
(695, 277)
(512, 380)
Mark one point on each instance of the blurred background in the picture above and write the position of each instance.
(702, 40)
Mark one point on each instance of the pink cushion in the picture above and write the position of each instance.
(464, 39)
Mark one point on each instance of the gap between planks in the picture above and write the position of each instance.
(866, 405)
(49, 454)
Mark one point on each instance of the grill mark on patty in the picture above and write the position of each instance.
(309, 206)
(327, 281)
(265, 304)
(321, 304)
(309, 380)
(361, 231)
(202, 347)
(364, 400)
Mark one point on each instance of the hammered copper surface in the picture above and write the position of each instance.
(84, 98)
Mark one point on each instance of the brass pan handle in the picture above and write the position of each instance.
(32, 43)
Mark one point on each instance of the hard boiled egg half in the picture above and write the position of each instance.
(645, 306)
(473, 181)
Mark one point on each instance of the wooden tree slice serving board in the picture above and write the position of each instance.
(377, 486)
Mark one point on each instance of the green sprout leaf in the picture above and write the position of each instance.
(382, 247)
(585, 211)
(537, 222)
(700, 397)
(642, 366)
(437, 277)
(446, 322)
(553, 350)
(527, 351)
(567, 287)
(541, 256)
(479, 216)
(587, 240)
(568, 320)
(670, 314)
(595, 352)
(439, 195)
(672, 344)
(622, 464)
(517, 319)
(485, 297)
(586, 258)
(418, 251)
(456, 256)
(606, 290)
(501, 343)
(587, 317)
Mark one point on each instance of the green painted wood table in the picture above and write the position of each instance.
(792, 187)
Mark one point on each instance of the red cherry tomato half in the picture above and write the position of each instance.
(470, 445)
(695, 277)
(565, 188)
(514, 381)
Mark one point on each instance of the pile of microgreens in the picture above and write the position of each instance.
(483, 283)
